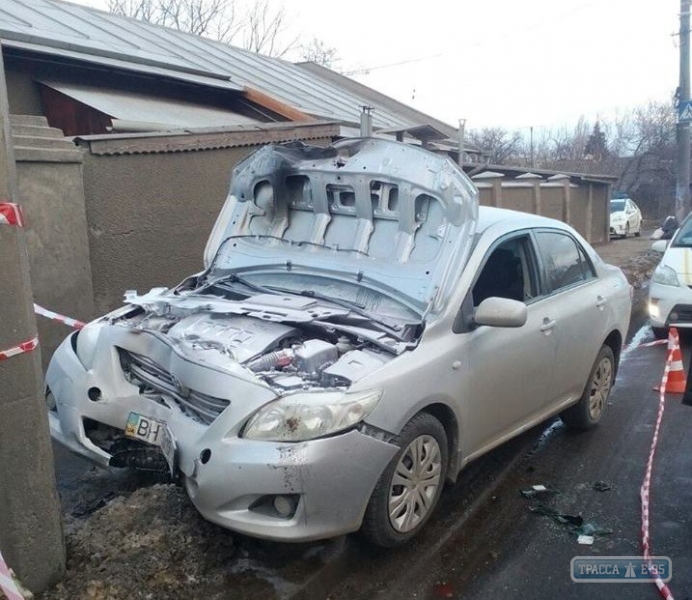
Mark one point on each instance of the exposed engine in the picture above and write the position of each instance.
(285, 356)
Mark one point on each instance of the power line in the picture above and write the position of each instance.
(477, 44)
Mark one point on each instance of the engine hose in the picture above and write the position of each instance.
(278, 358)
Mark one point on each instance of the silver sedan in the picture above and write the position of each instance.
(362, 330)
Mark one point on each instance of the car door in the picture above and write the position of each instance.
(509, 368)
(577, 300)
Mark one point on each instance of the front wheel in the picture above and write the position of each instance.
(627, 231)
(660, 333)
(408, 490)
(586, 413)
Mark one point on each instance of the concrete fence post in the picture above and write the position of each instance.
(495, 179)
(566, 196)
(589, 215)
(30, 527)
(535, 180)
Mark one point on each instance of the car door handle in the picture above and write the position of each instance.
(548, 324)
(601, 301)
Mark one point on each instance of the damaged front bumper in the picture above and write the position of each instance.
(295, 491)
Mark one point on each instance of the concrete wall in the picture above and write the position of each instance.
(583, 205)
(49, 174)
(22, 92)
(149, 216)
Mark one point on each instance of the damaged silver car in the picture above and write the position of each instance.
(361, 331)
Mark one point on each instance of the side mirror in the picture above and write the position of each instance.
(659, 246)
(500, 312)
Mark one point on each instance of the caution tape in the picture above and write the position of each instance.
(647, 345)
(11, 214)
(646, 484)
(22, 348)
(49, 314)
(7, 583)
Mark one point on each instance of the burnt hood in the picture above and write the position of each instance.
(388, 215)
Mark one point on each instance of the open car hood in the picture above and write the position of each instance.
(388, 215)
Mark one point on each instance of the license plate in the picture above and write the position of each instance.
(153, 431)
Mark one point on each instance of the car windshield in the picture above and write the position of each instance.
(617, 205)
(683, 239)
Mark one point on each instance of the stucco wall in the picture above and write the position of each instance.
(52, 196)
(149, 216)
(22, 92)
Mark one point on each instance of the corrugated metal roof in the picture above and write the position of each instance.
(64, 29)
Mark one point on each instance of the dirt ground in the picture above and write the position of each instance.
(633, 255)
(151, 544)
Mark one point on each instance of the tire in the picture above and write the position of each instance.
(387, 527)
(586, 413)
(627, 231)
(638, 233)
(660, 333)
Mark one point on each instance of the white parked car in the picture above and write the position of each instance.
(361, 332)
(625, 218)
(670, 295)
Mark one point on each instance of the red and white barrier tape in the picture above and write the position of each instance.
(27, 346)
(11, 214)
(647, 345)
(7, 584)
(646, 484)
(49, 314)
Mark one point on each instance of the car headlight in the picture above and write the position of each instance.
(665, 276)
(305, 416)
(86, 344)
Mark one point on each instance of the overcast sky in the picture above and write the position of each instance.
(506, 63)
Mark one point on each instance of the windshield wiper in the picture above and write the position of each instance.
(350, 305)
(233, 278)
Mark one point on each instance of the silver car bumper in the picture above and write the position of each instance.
(329, 481)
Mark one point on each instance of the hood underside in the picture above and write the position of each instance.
(393, 216)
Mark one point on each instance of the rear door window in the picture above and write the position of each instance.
(564, 260)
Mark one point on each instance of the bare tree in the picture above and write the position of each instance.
(502, 146)
(263, 29)
(255, 27)
(318, 52)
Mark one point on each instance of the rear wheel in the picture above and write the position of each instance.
(586, 413)
(409, 488)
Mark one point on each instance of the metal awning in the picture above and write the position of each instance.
(134, 111)
(424, 131)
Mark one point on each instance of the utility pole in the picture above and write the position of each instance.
(30, 526)
(531, 137)
(682, 191)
